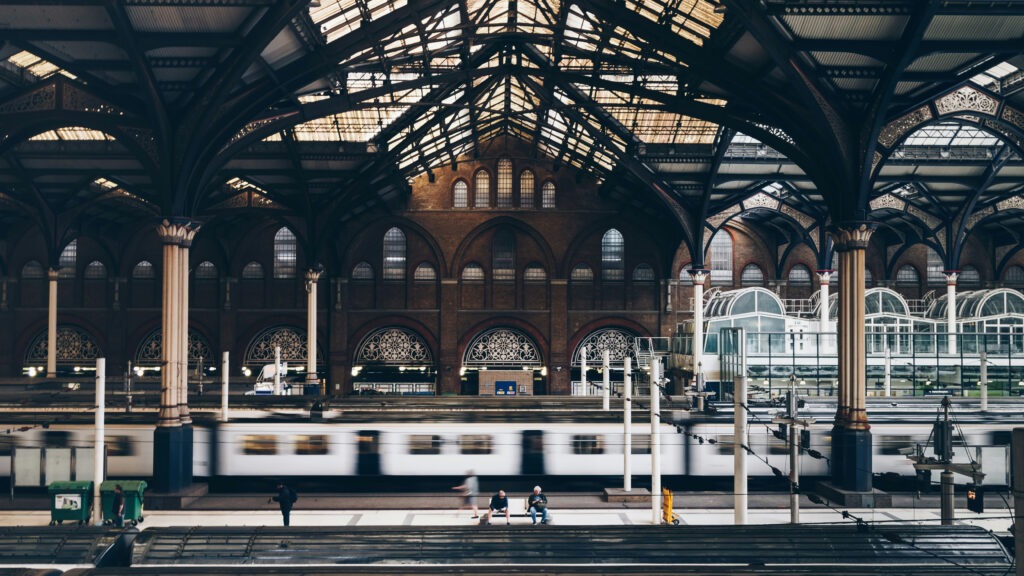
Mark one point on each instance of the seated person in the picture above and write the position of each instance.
(538, 502)
(499, 504)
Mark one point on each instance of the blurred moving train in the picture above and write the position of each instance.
(301, 448)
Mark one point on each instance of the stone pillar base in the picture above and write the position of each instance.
(852, 498)
(167, 459)
(642, 495)
(186, 455)
(177, 500)
(851, 459)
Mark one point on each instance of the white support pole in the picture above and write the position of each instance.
(606, 399)
(1017, 468)
(698, 317)
(655, 442)
(983, 381)
(951, 277)
(627, 424)
(312, 276)
(888, 370)
(277, 371)
(98, 460)
(224, 364)
(583, 372)
(794, 455)
(740, 437)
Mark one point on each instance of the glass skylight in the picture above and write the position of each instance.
(38, 68)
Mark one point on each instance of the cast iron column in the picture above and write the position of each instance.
(312, 277)
(951, 277)
(851, 434)
(699, 276)
(185, 243)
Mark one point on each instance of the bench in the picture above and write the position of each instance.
(517, 508)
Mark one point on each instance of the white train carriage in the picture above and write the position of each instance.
(450, 449)
(290, 449)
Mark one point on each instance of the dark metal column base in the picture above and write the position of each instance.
(167, 459)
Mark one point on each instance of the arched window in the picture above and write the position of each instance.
(425, 273)
(936, 269)
(504, 199)
(483, 189)
(503, 254)
(907, 276)
(799, 275)
(752, 275)
(969, 277)
(394, 254)
(69, 259)
(526, 189)
(535, 273)
(252, 271)
(286, 251)
(721, 259)
(582, 273)
(95, 271)
(643, 273)
(144, 271)
(867, 278)
(33, 270)
(362, 271)
(460, 195)
(206, 271)
(547, 195)
(1014, 275)
(613, 248)
(473, 273)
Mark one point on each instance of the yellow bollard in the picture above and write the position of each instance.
(667, 515)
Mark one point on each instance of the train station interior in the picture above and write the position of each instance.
(371, 223)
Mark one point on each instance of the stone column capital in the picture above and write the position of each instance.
(313, 275)
(699, 275)
(177, 232)
(53, 274)
(951, 277)
(852, 235)
(824, 276)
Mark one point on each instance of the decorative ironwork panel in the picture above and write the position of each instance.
(394, 345)
(717, 219)
(895, 130)
(619, 343)
(502, 346)
(979, 215)
(930, 221)
(1014, 116)
(967, 98)
(291, 340)
(150, 350)
(888, 201)
(1011, 203)
(805, 221)
(74, 345)
(78, 100)
(761, 200)
(45, 98)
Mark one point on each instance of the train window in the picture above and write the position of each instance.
(367, 442)
(588, 444)
(724, 443)
(311, 445)
(641, 444)
(120, 446)
(57, 438)
(259, 444)
(6, 443)
(475, 444)
(424, 444)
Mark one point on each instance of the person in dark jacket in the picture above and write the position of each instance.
(118, 506)
(286, 499)
(499, 505)
(538, 502)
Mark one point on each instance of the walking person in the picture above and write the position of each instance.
(118, 506)
(470, 487)
(538, 502)
(286, 498)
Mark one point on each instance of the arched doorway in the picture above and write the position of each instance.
(503, 362)
(394, 360)
(293, 344)
(202, 366)
(620, 344)
(77, 352)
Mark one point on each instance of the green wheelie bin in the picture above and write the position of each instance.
(70, 501)
(132, 492)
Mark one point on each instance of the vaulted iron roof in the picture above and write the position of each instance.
(323, 110)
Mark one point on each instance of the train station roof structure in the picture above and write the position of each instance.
(791, 114)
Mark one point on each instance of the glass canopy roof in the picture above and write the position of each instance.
(541, 70)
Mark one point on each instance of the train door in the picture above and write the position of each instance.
(533, 452)
(368, 453)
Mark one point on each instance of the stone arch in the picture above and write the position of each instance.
(75, 346)
(291, 339)
(149, 351)
(459, 258)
